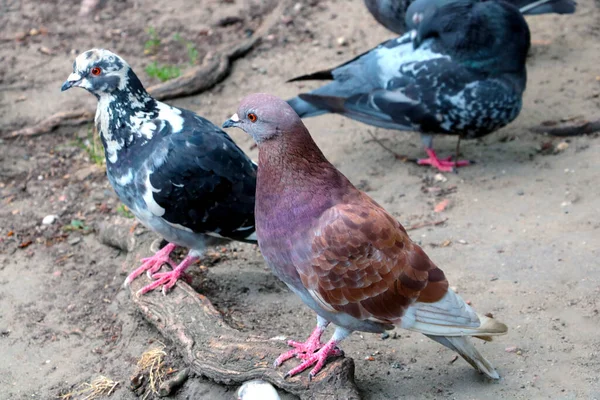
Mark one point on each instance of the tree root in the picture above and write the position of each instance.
(194, 81)
(568, 128)
(213, 349)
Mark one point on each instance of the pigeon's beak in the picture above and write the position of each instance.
(416, 39)
(231, 122)
(73, 80)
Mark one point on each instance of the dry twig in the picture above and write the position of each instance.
(424, 224)
(568, 128)
(101, 386)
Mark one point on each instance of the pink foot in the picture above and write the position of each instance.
(317, 359)
(300, 350)
(443, 165)
(168, 279)
(154, 263)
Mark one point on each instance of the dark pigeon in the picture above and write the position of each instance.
(396, 16)
(180, 175)
(464, 79)
(347, 258)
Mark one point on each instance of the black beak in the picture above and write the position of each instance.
(228, 124)
(417, 40)
(67, 85)
(71, 81)
(231, 122)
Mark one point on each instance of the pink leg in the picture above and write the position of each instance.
(319, 359)
(312, 344)
(154, 263)
(168, 279)
(306, 350)
(444, 165)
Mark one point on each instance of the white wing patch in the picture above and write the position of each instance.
(152, 205)
(125, 179)
(171, 115)
(390, 60)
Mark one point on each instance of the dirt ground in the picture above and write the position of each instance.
(521, 237)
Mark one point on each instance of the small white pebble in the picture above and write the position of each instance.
(341, 41)
(440, 178)
(49, 219)
(257, 390)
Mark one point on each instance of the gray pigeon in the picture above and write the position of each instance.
(465, 79)
(346, 257)
(180, 175)
(395, 14)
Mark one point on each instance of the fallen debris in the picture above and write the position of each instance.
(570, 127)
(98, 387)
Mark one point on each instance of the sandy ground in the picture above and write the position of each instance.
(521, 238)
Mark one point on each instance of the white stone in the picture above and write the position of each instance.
(49, 219)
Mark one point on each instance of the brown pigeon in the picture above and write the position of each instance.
(341, 252)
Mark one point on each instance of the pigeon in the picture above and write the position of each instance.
(346, 257)
(462, 79)
(179, 174)
(395, 15)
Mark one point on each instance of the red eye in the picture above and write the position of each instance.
(96, 71)
(252, 117)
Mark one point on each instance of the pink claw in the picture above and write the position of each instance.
(319, 359)
(170, 278)
(443, 165)
(302, 349)
(154, 263)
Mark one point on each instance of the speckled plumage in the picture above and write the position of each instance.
(462, 79)
(395, 16)
(180, 175)
(346, 257)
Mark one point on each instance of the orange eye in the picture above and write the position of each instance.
(252, 117)
(96, 71)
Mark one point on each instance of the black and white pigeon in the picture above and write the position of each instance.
(180, 175)
(464, 79)
(394, 14)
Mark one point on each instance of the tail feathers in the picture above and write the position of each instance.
(465, 348)
(321, 75)
(488, 327)
(536, 7)
(305, 109)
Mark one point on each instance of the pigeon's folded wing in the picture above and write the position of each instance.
(360, 261)
(201, 180)
(411, 99)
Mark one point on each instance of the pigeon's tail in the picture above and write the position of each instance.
(251, 238)
(465, 348)
(536, 7)
(305, 109)
(450, 321)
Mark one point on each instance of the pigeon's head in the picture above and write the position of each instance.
(492, 35)
(264, 117)
(98, 71)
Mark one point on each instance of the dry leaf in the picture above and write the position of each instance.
(441, 206)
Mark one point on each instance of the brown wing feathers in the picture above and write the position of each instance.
(364, 264)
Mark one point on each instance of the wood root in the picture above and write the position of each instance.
(568, 128)
(211, 348)
(194, 81)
